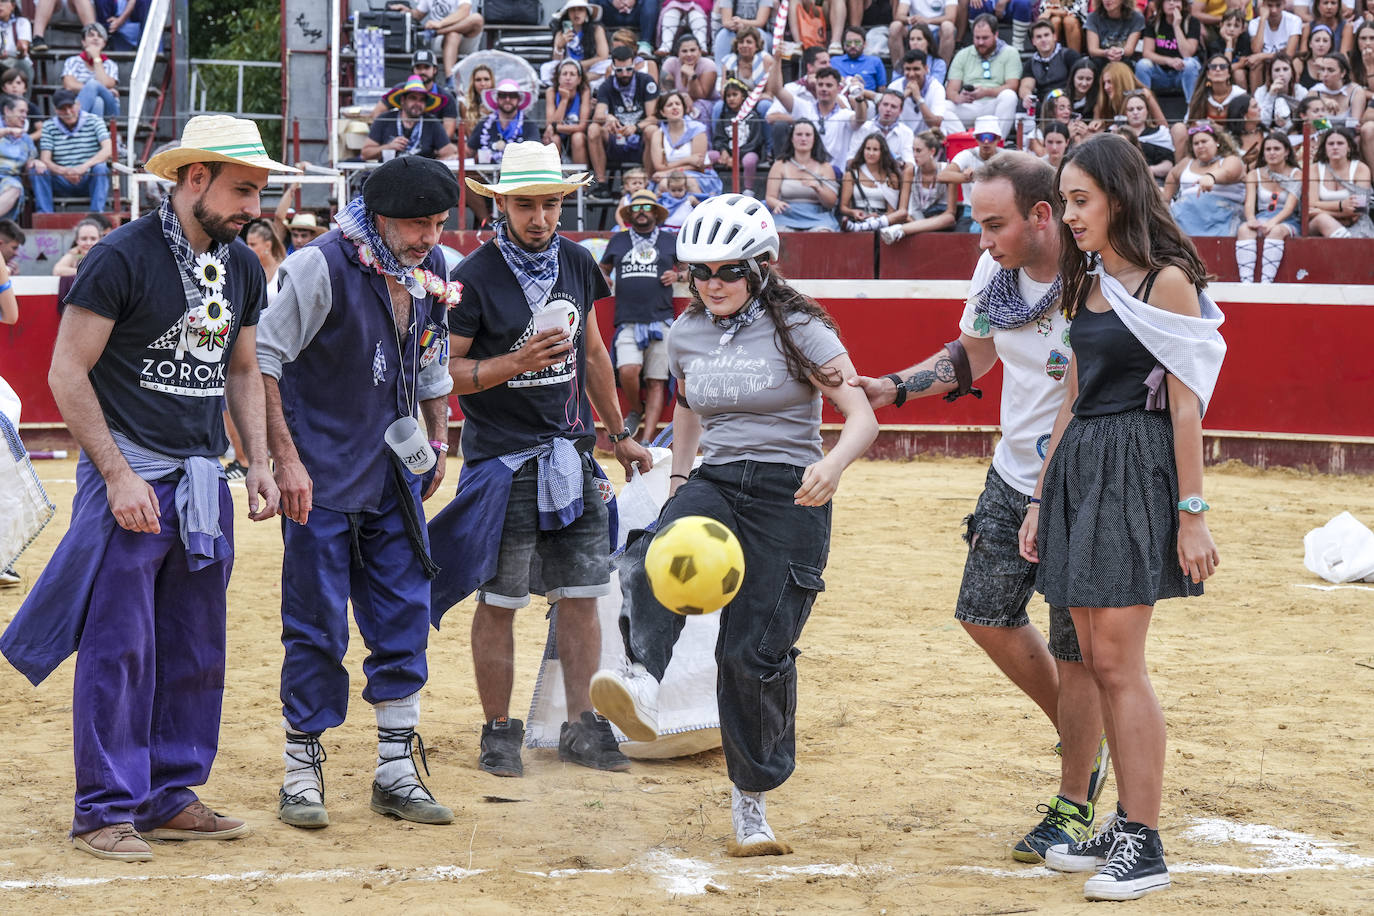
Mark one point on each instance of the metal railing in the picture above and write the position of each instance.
(203, 83)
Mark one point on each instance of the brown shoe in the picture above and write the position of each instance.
(120, 842)
(197, 822)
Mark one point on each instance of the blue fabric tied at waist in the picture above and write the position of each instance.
(197, 496)
(646, 332)
(465, 538)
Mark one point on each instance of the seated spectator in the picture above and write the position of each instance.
(84, 237)
(1117, 84)
(1084, 88)
(855, 63)
(1328, 15)
(924, 106)
(921, 39)
(747, 61)
(1210, 98)
(1242, 122)
(751, 134)
(693, 73)
(16, 33)
(930, 205)
(808, 24)
(1311, 111)
(870, 17)
(1273, 193)
(1049, 66)
(1113, 32)
(896, 136)
(18, 155)
(731, 17)
(1318, 46)
(626, 104)
(939, 16)
(11, 240)
(1362, 57)
(834, 122)
(1279, 93)
(675, 196)
(1232, 42)
(960, 169)
(675, 12)
(506, 124)
(644, 59)
(74, 153)
(984, 77)
(814, 57)
(408, 129)
(1152, 135)
(1056, 138)
(93, 76)
(803, 187)
(1169, 61)
(632, 181)
(446, 23)
(680, 145)
(1207, 186)
(123, 21)
(1066, 18)
(42, 15)
(1018, 12)
(1338, 204)
(640, 15)
(1277, 30)
(426, 67)
(568, 110)
(1346, 102)
(578, 36)
(873, 192)
(14, 82)
(472, 104)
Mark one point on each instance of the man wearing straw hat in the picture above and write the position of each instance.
(160, 326)
(352, 348)
(354, 343)
(528, 365)
(642, 261)
(505, 125)
(408, 130)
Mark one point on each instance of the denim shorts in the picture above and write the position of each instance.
(570, 562)
(998, 581)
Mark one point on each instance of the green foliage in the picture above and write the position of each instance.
(241, 30)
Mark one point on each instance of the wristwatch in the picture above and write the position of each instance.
(620, 436)
(1194, 505)
(900, 398)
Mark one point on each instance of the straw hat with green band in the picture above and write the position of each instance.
(216, 138)
(533, 169)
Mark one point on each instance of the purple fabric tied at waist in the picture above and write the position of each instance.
(1158, 398)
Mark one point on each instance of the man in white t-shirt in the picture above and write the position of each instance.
(897, 135)
(924, 104)
(939, 16)
(966, 163)
(834, 122)
(1013, 315)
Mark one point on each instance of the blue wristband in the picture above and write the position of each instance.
(6, 285)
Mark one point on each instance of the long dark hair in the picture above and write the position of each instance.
(818, 151)
(1197, 105)
(1089, 98)
(787, 308)
(1141, 228)
(887, 165)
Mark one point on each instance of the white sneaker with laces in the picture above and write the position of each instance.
(891, 234)
(753, 836)
(629, 698)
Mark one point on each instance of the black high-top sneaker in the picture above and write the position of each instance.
(1135, 866)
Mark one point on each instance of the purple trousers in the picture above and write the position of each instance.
(149, 676)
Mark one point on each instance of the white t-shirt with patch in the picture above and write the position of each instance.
(1035, 359)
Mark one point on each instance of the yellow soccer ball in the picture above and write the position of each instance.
(695, 565)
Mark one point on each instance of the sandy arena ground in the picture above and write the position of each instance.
(919, 764)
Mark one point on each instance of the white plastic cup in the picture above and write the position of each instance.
(551, 319)
(484, 156)
(407, 440)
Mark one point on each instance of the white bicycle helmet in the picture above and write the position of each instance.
(728, 227)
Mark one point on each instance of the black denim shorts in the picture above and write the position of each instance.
(998, 581)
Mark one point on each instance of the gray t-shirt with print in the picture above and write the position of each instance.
(750, 407)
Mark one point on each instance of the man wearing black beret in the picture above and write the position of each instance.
(356, 344)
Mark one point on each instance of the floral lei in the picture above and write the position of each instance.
(449, 292)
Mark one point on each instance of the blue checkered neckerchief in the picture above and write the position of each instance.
(185, 255)
(1001, 300)
(357, 225)
(537, 271)
(732, 323)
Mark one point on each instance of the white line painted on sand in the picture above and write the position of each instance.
(1282, 850)
(1332, 588)
(434, 873)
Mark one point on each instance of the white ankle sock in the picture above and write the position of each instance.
(1245, 259)
(1270, 258)
(304, 766)
(399, 769)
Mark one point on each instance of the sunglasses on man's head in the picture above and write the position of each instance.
(729, 273)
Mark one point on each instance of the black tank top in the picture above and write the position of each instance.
(1112, 363)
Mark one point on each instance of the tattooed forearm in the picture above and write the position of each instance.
(476, 382)
(920, 381)
(944, 369)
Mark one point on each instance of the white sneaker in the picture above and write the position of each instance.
(9, 578)
(749, 813)
(629, 698)
(891, 234)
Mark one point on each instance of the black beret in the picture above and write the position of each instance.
(411, 186)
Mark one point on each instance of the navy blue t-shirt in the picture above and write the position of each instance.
(639, 295)
(432, 137)
(160, 380)
(628, 104)
(534, 407)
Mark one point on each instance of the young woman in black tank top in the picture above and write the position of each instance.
(1109, 534)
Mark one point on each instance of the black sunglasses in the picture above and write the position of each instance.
(729, 273)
